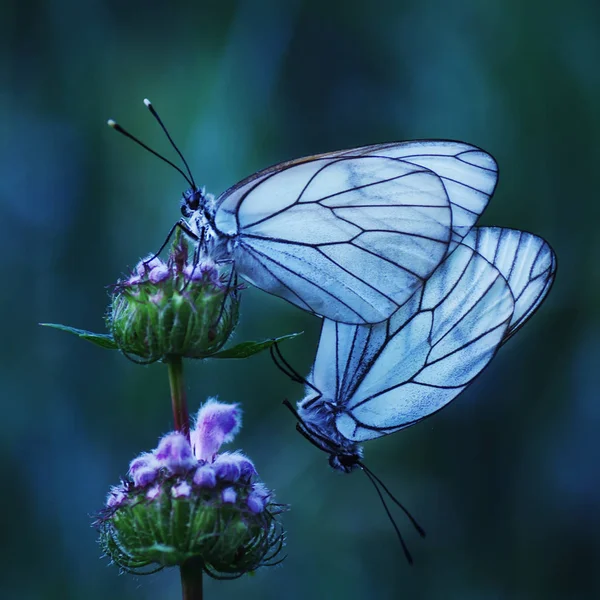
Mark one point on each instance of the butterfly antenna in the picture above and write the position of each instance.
(409, 558)
(155, 115)
(397, 502)
(117, 127)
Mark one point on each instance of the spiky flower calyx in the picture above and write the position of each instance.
(185, 306)
(185, 501)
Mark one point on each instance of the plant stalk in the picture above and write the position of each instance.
(191, 570)
(191, 579)
(181, 416)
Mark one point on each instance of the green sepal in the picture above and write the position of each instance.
(143, 536)
(246, 349)
(104, 340)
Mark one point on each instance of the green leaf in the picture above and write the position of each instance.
(246, 349)
(104, 340)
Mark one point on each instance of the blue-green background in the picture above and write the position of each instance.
(506, 480)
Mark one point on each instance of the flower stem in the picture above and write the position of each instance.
(181, 416)
(191, 569)
(191, 579)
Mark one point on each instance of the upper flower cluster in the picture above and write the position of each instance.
(184, 306)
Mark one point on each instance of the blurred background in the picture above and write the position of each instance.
(506, 480)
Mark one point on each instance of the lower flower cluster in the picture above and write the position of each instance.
(185, 500)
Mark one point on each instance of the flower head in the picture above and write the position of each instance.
(216, 424)
(186, 306)
(184, 501)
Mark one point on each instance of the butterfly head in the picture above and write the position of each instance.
(317, 424)
(198, 207)
(191, 200)
(196, 200)
(345, 462)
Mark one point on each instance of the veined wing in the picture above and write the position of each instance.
(525, 260)
(362, 375)
(468, 173)
(352, 235)
(345, 352)
(417, 363)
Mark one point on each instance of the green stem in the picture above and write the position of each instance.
(191, 569)
(181, 416)
(191, 579)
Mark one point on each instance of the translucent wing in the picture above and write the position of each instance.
(417, 362)
(352, 235)
(525, 260)
(468, 173)
(391, 375)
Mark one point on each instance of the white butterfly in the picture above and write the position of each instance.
(347, 235)
(369, 381)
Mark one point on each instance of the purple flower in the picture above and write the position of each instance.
(147, 264)
(205, 477)
(159, 273)
(116, 497)
(258, 498)
(154, 492)
(233, 466)
(216, 424)
(203, 271)
(228, 495)
(255, 503)
(144, 469)
(175, 453)
(133, 280)
(181, 490)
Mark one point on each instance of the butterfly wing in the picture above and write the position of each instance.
(383, 378)
(428, 357)
(526, 261)
(476, 299)
(468, 174)
(352, 235)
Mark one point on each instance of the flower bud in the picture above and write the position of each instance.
(186, 306)
(177, 506)
(216, 424)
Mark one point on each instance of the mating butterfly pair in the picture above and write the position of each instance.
(380, 242)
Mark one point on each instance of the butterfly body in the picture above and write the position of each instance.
(198, 210)
(317, 416)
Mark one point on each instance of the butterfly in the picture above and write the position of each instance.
(370, 381)
(348, 235)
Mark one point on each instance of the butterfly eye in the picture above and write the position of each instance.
(185, 209)
(190, 201)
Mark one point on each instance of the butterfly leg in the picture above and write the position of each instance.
(182, 225)
(232, 288)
